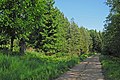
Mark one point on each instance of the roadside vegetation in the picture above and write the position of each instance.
(36, 66)
(111, 42)
(111, 67)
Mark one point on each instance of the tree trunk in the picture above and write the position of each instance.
(11, 44)
(22, 45)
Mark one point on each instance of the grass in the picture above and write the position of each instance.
(111, 67)
(36, 66)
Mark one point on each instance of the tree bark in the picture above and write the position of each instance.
(11, 44)
(22, 45)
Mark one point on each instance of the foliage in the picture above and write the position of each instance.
(97, 41)
(85, 40)
(73, 40)
(44, 27)
(112, 30)
(111, 67)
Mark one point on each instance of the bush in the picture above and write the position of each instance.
(111, 67)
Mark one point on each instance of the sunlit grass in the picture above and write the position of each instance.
(34, 66)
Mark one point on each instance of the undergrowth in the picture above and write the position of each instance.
(111, 67)
(36, 66)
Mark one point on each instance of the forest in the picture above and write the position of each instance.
(37, 42)
(111, 33)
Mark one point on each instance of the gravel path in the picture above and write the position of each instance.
(89, 69)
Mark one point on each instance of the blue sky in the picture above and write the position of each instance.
(88, 13)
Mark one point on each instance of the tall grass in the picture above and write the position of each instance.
(34, 66)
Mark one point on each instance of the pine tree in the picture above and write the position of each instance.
(49, 33)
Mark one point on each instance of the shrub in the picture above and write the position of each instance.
(111, 67)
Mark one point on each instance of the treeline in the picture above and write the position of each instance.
(44, 28)
(112, 29)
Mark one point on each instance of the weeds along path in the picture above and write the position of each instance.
(89, 69)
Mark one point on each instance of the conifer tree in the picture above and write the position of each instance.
(112, 29)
